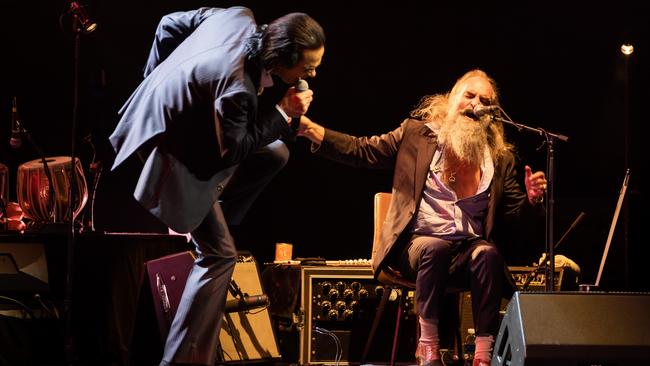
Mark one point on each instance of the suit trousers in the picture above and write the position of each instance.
(250, 179)
(438, 265)
(194, 334)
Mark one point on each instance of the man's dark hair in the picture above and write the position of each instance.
(287, 37)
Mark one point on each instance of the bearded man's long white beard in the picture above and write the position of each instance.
(465, 138)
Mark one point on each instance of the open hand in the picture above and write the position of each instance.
(535, 185)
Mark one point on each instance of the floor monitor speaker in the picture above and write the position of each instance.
(574, 329)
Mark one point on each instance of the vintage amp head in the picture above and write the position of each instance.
(338, 305)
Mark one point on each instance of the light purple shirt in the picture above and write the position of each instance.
(445, 216)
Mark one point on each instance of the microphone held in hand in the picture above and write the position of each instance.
(481, 110)
(247, 303)
(301, 86)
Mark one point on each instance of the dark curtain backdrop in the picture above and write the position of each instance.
(558, 66)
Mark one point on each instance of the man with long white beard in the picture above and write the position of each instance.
(454, 193)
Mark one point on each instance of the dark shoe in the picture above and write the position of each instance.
(428, 355)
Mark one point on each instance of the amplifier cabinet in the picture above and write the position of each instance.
(565, 279)
(245, 336)
(338, 306)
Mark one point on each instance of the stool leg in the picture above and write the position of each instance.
(398, 321)
(375, 323)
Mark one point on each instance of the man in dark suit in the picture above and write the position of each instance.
(454, 190)
(204, 136)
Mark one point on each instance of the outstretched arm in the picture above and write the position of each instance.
(311, 130)
(376, 152)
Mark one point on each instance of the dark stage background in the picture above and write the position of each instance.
(558, 65)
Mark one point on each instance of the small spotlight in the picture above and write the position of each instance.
(87, 26)
(627, 49)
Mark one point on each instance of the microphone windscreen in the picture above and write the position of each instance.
(301, 85)
(247, 303)
(480, 111)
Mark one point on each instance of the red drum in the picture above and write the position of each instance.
(33, 190)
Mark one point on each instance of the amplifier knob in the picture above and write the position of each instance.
(325, 307)
(347, 314)
(340, 305)
(363, 293)
(326, 287)
(340, 286)
(379, 291)
(333, 315)
(348, 294)
(333, 294)
(355, 286)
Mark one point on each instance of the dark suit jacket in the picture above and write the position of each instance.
(409, 150)
(195, 115)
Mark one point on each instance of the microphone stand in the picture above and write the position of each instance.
(81, 24)
(235, 291)
(69, 339)
(550, 139)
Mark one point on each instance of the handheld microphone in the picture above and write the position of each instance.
(481, 110)
(246, 303)
(78, 12)
(15, 141)
(301, 86)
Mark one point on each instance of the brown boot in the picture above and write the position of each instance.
(428, 355)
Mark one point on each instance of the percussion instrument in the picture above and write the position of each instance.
(33, 189)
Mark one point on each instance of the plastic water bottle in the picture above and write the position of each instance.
(469, 347)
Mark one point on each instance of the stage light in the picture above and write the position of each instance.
(627, 49)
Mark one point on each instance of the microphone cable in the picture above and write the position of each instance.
(257, 311)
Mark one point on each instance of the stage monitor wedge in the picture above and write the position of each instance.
(574, 329)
